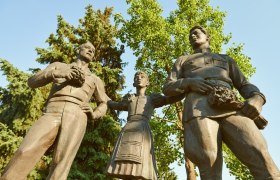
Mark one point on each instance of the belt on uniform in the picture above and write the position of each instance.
(217, 82)
(137, 117)
(66, 99)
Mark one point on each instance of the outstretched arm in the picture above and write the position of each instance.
(160, 100)
(42, 77)
(55, 72)
(120, 106)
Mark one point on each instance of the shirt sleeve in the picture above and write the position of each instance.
(43, 77)
(101, 98)
(160, 100)
(175, 84)
(120, 106)
(245, 88)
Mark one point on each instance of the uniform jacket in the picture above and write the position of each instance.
(208, 66)
(93, 86)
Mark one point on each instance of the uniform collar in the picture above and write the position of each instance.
(207, 50)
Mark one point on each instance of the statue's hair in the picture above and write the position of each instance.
(141, 72)
(84, 44)
(201, 28)
(80, 46)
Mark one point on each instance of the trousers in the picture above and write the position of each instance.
(63, 123)
(203, 146)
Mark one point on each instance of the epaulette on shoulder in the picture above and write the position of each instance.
(224, 55)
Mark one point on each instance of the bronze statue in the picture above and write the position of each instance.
(206, 124)
(133, 156)
(64, 118)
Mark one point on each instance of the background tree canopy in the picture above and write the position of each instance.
(156, 39)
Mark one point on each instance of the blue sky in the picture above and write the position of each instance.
(26, 25)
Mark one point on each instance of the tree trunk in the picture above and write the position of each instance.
(188, 164)
(190, 169)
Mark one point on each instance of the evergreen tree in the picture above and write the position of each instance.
(20, 105)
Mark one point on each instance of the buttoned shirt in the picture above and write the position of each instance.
(93, 86)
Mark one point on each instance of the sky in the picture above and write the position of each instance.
(26, 25)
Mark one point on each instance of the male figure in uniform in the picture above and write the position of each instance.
(205, 126)
(64, 118)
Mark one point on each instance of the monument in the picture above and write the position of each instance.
(64, 119)
(201, 77)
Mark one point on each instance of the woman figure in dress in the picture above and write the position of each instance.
(133, 156)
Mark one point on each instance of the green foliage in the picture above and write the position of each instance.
(242, 60)
(92, 157)
(17, 99)
(20, 105)
(9, 142)
(236, 168)
(166, 146)
(158, 40)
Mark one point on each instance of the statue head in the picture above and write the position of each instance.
(86, 51)
(199, 38)
(141, 79)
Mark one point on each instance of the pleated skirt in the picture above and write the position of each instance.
(142, 167)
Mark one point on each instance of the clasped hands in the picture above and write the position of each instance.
(67, 74)
(252, 106)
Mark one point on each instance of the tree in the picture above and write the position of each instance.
(20, 105)
(157, 41)
(19, 108)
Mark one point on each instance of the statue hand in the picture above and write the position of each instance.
(253, 106)
(65, 74)
(199, 85)
(88, 110)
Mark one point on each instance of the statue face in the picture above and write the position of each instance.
(141, 80)
(87, 51)
(197, 38)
